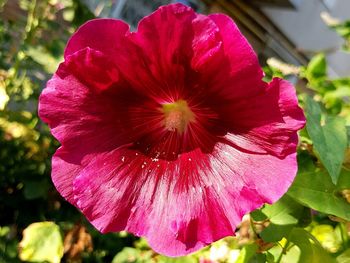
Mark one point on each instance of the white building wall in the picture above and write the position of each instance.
(305, 28)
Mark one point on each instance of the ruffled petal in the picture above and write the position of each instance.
(175, 34)
(66, 165)
(182, 205)
(267, 122)
(167, 47)
(265, 177)
(63, 174)
(240, 74)
(91, 67)
(104, 35)
(81, 119)
(164, 201)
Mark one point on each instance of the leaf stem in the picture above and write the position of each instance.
(284, 251)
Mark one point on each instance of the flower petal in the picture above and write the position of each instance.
(82, 119)
(267, 122)
(183, 205)
(266, 177)
(168, 45)
(92, 68)
(66, 165)
(240, 74)
(104, 35)
(164, 201)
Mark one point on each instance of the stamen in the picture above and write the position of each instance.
(177, 115)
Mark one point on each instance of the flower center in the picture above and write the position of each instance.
(177, 116)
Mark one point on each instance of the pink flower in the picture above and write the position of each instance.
(169, 132)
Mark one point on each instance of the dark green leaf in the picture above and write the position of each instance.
(274, 233)
(258, 215)
(258, 258)
(314, 188)
(35, 189)
(270, 258)
(329, 140)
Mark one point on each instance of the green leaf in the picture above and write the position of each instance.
(328, 237)
(344, 257)
(284, 212)
(329, 140)
(133, 255)
(8, 245)
(42, 57)
(335, 98)
(4, 98)
(343, 29)
(310, 250)
(317, 67)
(292, 255)
(270, 258)
(4, 230)
(313, 187)
(258, 215)
(342, 83)
(283, 216)
(187, 259)
(35, 189)
(41, 242)
(258, 258)
(274, 233)
(348, 134)
(247, 253)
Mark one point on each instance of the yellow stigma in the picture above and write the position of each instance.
(177, 115)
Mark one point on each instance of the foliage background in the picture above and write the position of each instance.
(309, 224)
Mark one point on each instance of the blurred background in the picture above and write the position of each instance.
(306, 41)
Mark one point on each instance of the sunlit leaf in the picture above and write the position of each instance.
(343, 29)
(327, 236)
(133, 255)
(317, 67)
(270, 258)
(292, 255)
(310, 250)
(247, 253)
(4, 98)
(344, 257)
(41, 242)
(283, 212)
(282, 215)
(43, 58)
(186, 259)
